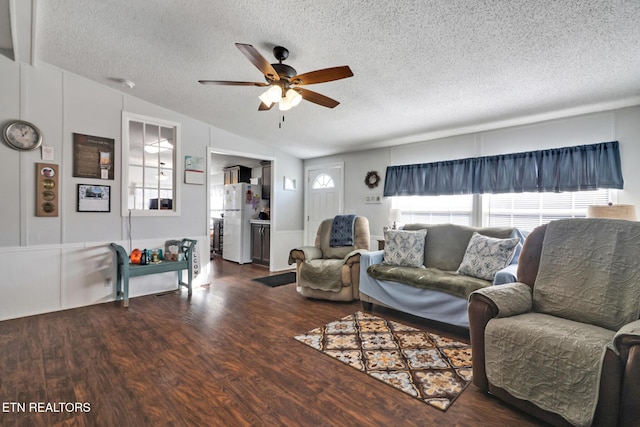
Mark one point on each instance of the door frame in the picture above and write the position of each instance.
(307, 169)
(272, 201)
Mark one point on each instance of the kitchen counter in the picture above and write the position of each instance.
(260, 221)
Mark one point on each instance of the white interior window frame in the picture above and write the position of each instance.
(127, 117)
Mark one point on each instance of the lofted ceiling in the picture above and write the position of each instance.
(422, 69)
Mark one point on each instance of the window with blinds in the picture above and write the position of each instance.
(522, 210)
(529, 210)
(456, 209)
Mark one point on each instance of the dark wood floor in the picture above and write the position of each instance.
(226, 357)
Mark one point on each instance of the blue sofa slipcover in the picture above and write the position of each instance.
(445, 247)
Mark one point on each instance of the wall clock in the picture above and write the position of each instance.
(372, 179)
(21, 135)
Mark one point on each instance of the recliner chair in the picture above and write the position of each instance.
(567, 333)
(331, 272)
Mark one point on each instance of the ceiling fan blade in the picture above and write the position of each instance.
(316, 98)
(263, 107)
(231, 83)
(259, 61)
(321, 76)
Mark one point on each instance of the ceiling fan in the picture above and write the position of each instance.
(284, 82)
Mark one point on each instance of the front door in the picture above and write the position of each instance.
(324, 198)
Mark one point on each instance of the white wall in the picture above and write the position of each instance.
(622, 125)
(71, 252)
(287, 217)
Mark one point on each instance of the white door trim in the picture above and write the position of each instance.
(272, 202)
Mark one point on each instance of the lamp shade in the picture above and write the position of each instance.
(627, 212)
(285, 104)
(293, 97)
(271, 95)
(265, 99)
(274, 93)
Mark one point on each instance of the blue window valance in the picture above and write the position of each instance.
(583, 167)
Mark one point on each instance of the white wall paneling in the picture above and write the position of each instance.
(30, 281)
(40, 279)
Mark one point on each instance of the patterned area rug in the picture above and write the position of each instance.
(427, 366)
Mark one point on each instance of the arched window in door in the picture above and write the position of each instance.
(323, 181)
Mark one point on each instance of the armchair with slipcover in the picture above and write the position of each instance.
(330, 269)
(563, 342)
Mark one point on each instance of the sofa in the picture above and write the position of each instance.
(444, 270)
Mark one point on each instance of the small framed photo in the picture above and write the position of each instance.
(289, 184)
(94, 198)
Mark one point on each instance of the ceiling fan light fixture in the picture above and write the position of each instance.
(285, 104)
(281, 77)
(266, 100)
(156, 147)
(293, 97)
(274, 93)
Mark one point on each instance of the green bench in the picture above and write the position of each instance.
(127, 270)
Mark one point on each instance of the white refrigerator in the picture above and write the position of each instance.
(241, 204)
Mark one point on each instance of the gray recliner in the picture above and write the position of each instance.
(331, 272)
(563, 342)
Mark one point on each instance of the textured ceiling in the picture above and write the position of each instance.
(422, 69)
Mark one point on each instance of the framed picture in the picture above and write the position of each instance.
(194, 170)
(94, 198)
(93, 156)
(289, 184)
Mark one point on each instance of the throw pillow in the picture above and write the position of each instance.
(485, 256)
(404, 248)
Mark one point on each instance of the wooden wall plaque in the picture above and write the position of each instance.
(47, 189)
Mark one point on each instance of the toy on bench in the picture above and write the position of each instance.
(127, 270)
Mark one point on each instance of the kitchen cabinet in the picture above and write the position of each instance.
(236, 174)
(266, 180)
(260, 241)
(216, 238)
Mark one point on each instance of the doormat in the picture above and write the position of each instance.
(424, 365)
(278, 279)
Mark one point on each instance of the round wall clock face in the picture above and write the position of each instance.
(22, 135)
